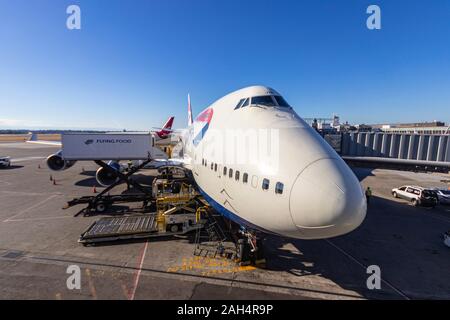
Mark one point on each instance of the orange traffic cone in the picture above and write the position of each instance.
(94, 189)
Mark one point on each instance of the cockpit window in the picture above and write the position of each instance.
(281, 102)
(239, 104)
(264, 101)
(246, 102)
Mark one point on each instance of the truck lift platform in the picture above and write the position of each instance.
(133, 227)
(109, 229)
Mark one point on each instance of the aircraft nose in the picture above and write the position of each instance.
(327, 200)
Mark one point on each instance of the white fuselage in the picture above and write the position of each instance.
(320, 196)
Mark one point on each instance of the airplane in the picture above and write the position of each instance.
(310, 193)
(303, 190)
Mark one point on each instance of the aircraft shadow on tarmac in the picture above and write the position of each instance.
(404, 241)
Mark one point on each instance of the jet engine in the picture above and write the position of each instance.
(107, 177)
(56, 162)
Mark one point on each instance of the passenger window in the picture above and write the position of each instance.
(236, 176)
(230, 173)
(239, 104)
(279, 188)
(203, 162)
(410, 190)
(215, 167)
(245, 178)
(265, 184)
(246, 103)
(206, 164)
(402, 188)
(254, 181)
(224, 171)
(212, 165)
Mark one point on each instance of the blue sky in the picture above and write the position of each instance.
(133, 62)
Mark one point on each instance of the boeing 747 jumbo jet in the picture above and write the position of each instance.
(256, 162)
(295, 185)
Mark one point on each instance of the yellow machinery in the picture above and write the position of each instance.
(174, 209)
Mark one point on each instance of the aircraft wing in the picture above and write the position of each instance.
(49, 143)
(34, 139)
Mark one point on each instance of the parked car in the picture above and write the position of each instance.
(417, 196)
(443, 195)
(5, 161)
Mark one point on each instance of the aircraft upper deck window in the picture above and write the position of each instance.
(236, 176)
(264, 101)
(239, 104)
(281, 102)
(230, 173)
(245, 178)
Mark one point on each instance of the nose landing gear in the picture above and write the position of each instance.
(250, 248)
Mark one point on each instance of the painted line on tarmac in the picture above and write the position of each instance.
(26, 159)
(139, 271)
(37, 219)
(30, 208)
(348, 255)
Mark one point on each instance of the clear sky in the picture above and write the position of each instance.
(133, 62)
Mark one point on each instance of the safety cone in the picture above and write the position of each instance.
(94, 189)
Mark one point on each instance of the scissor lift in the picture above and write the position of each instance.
(103, 200)
(175, 215)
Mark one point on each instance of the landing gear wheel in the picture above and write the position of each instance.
(101, 207)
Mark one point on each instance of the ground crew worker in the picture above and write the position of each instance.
(368, 194)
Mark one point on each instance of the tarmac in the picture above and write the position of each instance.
(38, 244)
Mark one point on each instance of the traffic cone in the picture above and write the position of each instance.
(94, 189)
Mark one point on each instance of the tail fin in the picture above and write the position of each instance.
(33, 137)
(168, 124)
(166, 129)
(190, 122)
